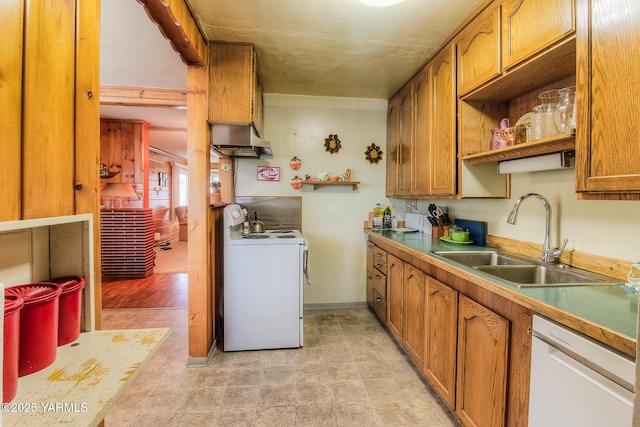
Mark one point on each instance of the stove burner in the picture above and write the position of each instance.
(280, 231)
(256, 236)
(285, 236)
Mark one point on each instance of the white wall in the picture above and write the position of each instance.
(607, 228)
(333, 216)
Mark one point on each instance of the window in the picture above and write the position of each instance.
(184, 188)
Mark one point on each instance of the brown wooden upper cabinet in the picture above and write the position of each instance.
(478, 44)
(422, 154)
(423, 132)
(234, 85)
(435, 142)
(405, 141)
(530, 26)
(443, 137)
(400, 137)
(518, 46)
(608, 72)
(393, 129)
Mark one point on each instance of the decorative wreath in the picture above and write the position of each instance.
(332, 144)
(373, 153)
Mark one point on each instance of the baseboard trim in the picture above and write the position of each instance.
(335, 305)
(199, 362)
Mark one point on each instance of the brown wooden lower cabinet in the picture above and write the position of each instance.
(377, 281)
(441, 326)
(413, 297)
(395, 285)
(483, 344)
(380, 305)
(473, 346)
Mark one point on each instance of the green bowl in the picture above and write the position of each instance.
(460, 236)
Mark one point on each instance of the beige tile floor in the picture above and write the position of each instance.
(349, 373)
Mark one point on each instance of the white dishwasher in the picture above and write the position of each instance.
(576, 381)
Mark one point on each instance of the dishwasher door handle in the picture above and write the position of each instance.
(575, 362)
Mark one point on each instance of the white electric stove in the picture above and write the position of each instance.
(263, 286)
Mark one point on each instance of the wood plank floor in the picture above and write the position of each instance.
(155, 291)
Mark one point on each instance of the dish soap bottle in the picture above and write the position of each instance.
(386, 220)
(378, 216)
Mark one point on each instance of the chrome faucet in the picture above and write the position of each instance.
(548, 253)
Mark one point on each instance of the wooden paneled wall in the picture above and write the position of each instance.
(49, 112)
(11, 26)
(123, 149)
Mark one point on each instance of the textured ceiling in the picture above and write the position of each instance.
(305, 47)
(334, 47)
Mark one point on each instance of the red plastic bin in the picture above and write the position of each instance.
(38, 325)
(12, 306)
(70, 308)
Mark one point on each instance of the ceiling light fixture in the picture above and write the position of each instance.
(380, 3)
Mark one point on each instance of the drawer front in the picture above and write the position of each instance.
(379, 283)
(380, 259)
(380, 306)
(369, 294)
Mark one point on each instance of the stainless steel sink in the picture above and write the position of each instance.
(479, 258)
(523, 272)
(542, 275)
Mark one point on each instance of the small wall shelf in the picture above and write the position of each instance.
(555, 144)
(109, 175)
(315, 184)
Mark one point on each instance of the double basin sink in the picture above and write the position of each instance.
(523, 272)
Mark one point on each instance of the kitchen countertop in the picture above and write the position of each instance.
(86, 379)
(605, 313)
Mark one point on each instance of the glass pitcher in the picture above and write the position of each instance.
(565, 114)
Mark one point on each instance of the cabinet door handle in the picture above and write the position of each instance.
(378, 276)
(379, 299)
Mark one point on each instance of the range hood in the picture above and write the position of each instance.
(238, 140)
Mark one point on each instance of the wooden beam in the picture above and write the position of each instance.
(177, 25)
(143, 96)
(201, 292)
